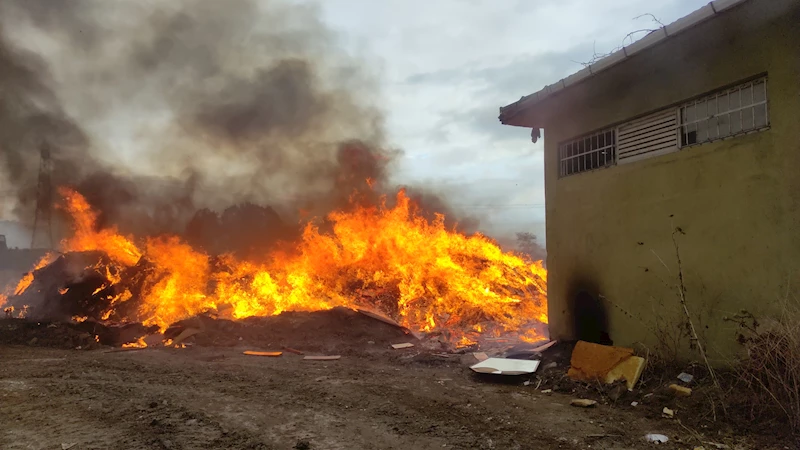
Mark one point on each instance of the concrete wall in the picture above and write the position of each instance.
(736, 199)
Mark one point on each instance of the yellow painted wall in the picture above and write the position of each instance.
(736, 200)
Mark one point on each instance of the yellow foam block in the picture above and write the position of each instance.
(629, 370)
(592, 362)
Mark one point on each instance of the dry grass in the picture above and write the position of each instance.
(768, 377)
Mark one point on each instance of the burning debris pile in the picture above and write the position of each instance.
(383, 258)
(244, 104)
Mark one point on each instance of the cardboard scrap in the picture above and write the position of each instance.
(583, 403)
(594, 362)
(185, 334)
(503, 366)
(378, 316)
(322, 358)
(481, 356)
(544, 347)
(403, 345)
(255, 353)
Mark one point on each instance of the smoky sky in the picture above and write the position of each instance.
(228, 102)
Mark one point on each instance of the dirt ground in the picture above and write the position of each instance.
(374, 397)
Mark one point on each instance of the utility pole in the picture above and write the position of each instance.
(42, 220)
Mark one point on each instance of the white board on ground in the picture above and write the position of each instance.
(503, 366)
(403, 345)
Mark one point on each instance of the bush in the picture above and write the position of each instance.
(769, 375)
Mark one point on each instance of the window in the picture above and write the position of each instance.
(725, 113)
(587, 153)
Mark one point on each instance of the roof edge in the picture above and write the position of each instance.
(710, 10)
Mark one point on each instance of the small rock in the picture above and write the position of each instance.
(583, 403)
(370, 342)
(153, 404)
(680, 391)
(668, 413)
(657, 438)
(191, 422)
(527, 383)
(302, 444)
(634, 404)
(616, 391)
(685, 377)
(547, 391)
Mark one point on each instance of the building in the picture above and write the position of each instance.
(687, 141)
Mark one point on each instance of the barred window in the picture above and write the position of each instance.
(725, 113)
(587, 153)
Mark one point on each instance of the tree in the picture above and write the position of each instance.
(526, 243)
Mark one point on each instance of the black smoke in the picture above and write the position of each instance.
(155, 110)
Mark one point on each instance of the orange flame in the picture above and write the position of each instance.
(86, 236)
(140, 343)
(438, 279)
(27, 279)
(24, 283)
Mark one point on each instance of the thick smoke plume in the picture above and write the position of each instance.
(155, 110)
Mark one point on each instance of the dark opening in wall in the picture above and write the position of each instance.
(589, 315)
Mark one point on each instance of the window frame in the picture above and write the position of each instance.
(683, 135)
(680, 136)
(562, 148)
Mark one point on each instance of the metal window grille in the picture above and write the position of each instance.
(587, 153)
(725, 113)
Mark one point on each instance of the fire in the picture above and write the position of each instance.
(438, 279)
(86, 236)
(27, 279)
(140, 343)
(24, 283)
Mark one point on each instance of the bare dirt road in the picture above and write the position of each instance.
(210, 395)
(211, 398)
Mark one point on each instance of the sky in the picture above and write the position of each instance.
(447, 66)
